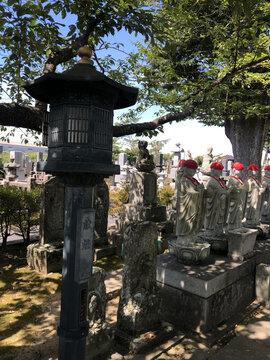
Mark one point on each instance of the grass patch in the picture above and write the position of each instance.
(22, 292)
(110, 263)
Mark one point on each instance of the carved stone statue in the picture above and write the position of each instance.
(265, 216)
(189, 217)
(254, 197)
(237, 190)
(241, 240)
(215, 196)
(215, 202)
(208, 158)
(144, 161)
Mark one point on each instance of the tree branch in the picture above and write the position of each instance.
(31, 117)
(67, 53)
(129, 129)
(21, 116)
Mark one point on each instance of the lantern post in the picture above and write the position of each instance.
(80, 131)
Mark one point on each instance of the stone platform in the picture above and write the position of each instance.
(202, 297)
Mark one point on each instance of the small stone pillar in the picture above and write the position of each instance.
(263, 282)
(139, 303)
(98, 341)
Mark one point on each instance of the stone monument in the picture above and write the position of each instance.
(265, 215)
(187, 247)
(254, 201)
(138, 310)
(142, 204)
(215, 210)
(143, 191)
(241, 240)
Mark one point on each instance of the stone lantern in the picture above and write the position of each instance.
(80, 122)
(80, 131)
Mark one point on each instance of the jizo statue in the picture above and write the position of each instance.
(237, 190)
(215, 202)
(189, 205)
(254, 197)
(265, 215)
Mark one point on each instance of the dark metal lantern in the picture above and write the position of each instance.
(80, 121)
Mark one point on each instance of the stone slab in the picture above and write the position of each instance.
(201, 298)
(145, 341)
(211, 276)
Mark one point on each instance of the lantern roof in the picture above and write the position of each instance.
(82, 76)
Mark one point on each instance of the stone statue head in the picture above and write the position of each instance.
(237, 169)
(253, 170)
(216, 169)
(210, 150)
(267, 170)
(142, 144)
(190, 167)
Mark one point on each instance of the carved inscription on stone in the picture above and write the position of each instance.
(84, 244)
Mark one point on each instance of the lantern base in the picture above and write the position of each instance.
(56, 167)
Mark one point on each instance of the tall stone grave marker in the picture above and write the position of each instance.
(138, 310)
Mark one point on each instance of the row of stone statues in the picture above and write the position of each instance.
(218, 208)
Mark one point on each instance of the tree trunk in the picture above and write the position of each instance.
(247, 137)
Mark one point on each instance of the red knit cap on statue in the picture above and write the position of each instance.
(181, 163)
(217, 166)
(191, 164)
(253, 167)
(237, 166)
(267, 167)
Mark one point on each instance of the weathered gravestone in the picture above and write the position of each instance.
(138, 310)
(46, 256)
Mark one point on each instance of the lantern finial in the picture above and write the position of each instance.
(85, 53)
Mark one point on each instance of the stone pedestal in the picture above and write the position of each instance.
(201, 298)
(219, 244)
(263, 282)
(189, 254)
(263, 229)
(241, 243)
(45, 258)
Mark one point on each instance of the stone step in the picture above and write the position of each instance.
(113, 283)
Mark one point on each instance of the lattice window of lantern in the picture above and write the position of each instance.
(56, 127)
(78, 125)
(103, 121)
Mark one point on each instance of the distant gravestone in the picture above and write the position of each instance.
(122, 159)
